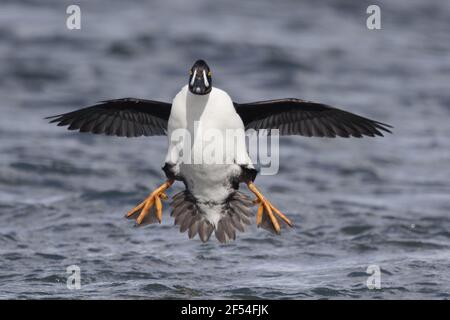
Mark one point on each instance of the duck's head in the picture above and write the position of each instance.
(200, 81)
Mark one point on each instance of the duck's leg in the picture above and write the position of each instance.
(141, 211)
(266, 207)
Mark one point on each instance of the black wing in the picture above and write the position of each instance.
(299, 117)
(128, 117)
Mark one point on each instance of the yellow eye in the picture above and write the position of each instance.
(209, 73)
(190, 72)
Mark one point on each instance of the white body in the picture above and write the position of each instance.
(209, 182)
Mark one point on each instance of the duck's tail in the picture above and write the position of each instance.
(202, 218)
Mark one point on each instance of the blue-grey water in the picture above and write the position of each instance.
(355, 202)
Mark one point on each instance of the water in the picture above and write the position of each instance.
(354, 202)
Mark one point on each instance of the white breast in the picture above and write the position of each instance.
(210, 184)
(195, 112)
(207, 182)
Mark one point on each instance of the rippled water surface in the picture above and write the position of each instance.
(355, 203)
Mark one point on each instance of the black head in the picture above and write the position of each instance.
(200, 81)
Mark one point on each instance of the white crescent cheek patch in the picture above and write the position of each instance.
(205, 79)
(193, 77)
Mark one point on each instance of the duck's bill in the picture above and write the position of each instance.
(200, 84)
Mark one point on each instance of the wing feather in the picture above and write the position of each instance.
(299, 117)
(127, 117)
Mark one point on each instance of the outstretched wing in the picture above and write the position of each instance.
(299, 117)
(127, 117)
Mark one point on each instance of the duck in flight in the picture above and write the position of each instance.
(211, 201)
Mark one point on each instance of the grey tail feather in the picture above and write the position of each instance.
(235, 211)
